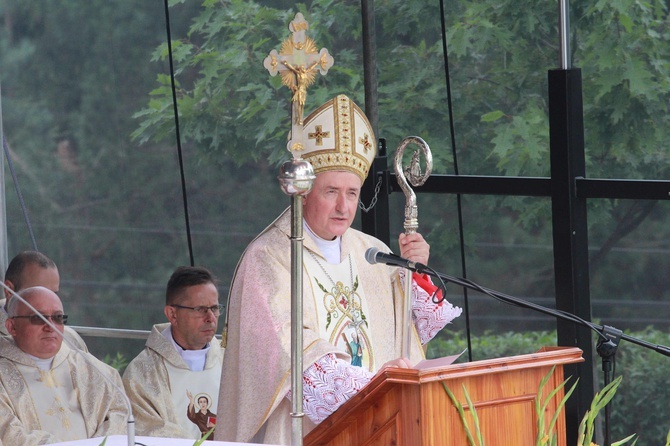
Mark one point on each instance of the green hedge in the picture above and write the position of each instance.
(642, 402)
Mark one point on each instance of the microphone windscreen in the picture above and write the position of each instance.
(371, 255)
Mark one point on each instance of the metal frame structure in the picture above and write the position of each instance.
(567, 187)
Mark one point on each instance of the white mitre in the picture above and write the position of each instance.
(338, 136)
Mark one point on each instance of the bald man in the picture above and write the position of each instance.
(48, 392)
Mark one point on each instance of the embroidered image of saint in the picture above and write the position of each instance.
(199, 414)
(344, 311)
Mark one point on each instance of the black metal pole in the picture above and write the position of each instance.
(570, 238)
(376, 220)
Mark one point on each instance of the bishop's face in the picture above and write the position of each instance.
(330, 207)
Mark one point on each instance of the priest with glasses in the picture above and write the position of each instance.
(180, 367)
(48, 392)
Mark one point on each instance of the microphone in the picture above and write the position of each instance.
(131, 420)
(374, 256)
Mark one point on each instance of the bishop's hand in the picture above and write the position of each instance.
(413, 247)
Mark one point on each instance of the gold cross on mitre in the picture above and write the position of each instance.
(297, 63)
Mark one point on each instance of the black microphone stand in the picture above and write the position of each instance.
(608, 337)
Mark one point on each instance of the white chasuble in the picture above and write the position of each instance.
(56, 401)
(342, 309)
(201, 386)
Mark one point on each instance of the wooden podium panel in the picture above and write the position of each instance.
(410, 407)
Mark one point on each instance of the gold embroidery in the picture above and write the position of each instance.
(365, 140)
(343, 301)
(346, 323)
(49, 379)
(57, 409)
(319, 134)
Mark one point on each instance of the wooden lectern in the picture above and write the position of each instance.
(408, 407)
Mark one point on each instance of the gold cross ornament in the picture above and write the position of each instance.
(298, 62)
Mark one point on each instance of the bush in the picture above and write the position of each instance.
(641, 403)
(491, 345)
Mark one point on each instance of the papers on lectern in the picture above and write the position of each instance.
(428, 364)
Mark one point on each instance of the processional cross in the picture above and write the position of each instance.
(298, 62)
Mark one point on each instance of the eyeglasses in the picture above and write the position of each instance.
(57, 319)
(202, 310)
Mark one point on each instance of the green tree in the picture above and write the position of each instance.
(499, 57)
(71, 79)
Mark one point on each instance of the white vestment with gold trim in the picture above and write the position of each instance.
(256, 370)
(156, 382)
(71, 401)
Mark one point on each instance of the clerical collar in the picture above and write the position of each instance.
(42, 364)
(194, 359)
(329, 248)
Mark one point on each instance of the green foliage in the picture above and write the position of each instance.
(546, 434)
(461, 413)
(204, 438)
(229, 94)
(600, 400)
(628, 84)
(490, 345)
(500, 98)
(119, 362)
(640, 403)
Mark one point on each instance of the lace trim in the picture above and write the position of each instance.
(328, 383)
(429, 318)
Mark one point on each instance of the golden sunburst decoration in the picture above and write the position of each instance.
(298, 62)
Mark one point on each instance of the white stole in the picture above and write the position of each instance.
(199, 384)
(342, 308)
(55, 400)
